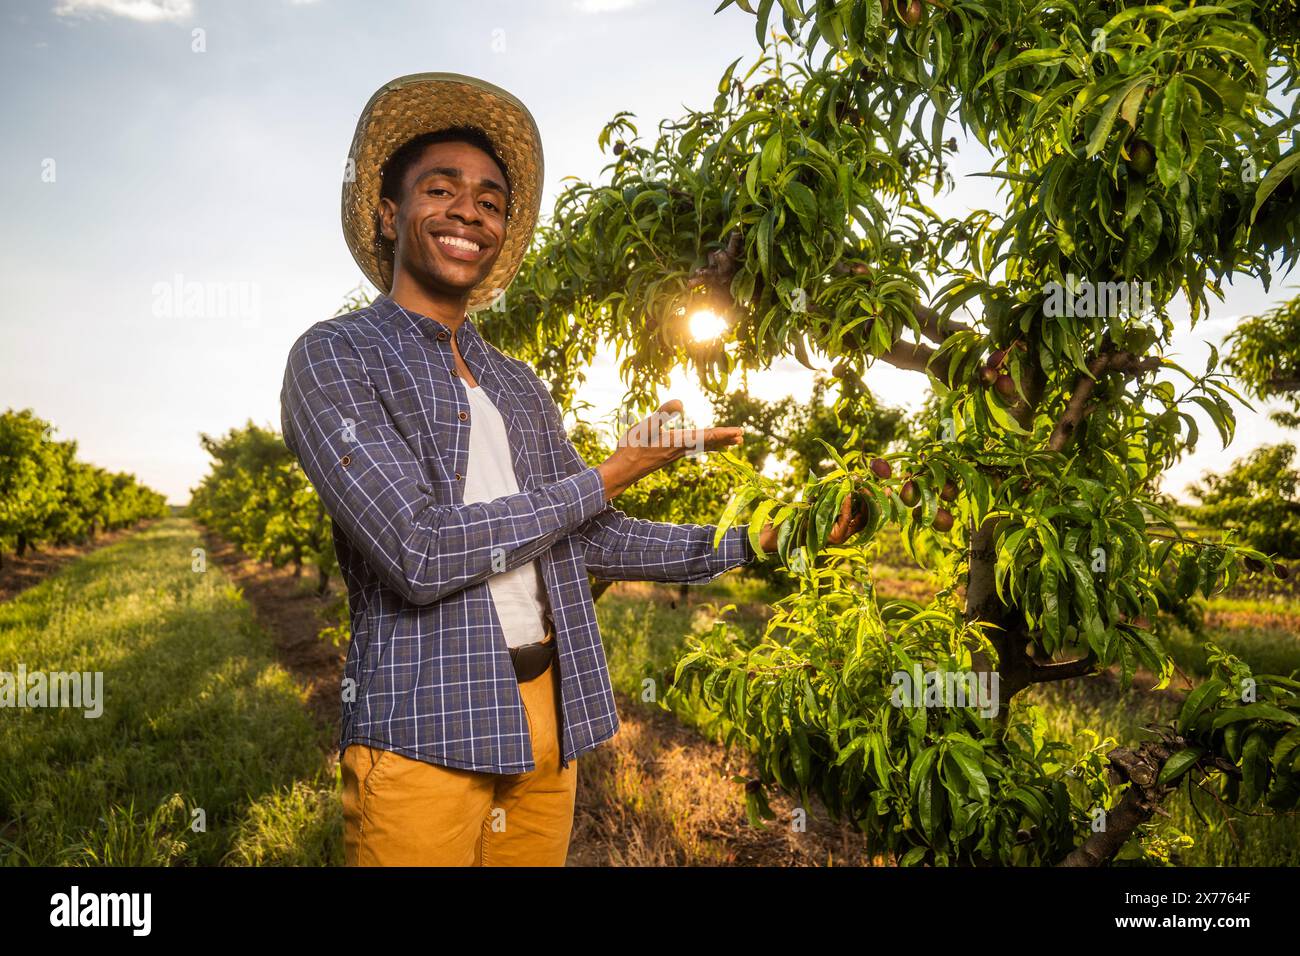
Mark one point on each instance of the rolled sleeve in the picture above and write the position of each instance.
(373, 485)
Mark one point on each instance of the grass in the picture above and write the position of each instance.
(200, 724)
(204, 753)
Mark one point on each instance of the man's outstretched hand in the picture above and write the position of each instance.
(850, 521)
(648, 446)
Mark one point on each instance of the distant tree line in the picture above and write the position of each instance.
(48, 495)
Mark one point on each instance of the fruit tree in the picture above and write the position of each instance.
(1141, 155)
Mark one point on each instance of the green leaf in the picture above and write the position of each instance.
(1179, 764)
(1281, 170)
(1259, 711)
(772, 155)
(804, 204)
(1197, 702)
(756, 522)
(765, 227)
(738, 502)
(971, 770)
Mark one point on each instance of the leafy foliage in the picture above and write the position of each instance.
(47, 494)
(1264, 354)
(1141, 154)
(258, 497)
(1260, 497)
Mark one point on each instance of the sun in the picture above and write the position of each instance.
(706, 325)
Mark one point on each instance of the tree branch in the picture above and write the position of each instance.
(914, 357)
(933, 326)
(1078, 408)
(1141, 770)
(1063, 670)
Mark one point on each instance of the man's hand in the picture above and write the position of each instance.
(648, 446)
(850, 521)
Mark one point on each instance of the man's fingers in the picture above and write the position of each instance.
(703, 438)
(721, 437)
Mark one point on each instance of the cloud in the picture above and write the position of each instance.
(145, 11)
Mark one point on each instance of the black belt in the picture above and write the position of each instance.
(531, 660)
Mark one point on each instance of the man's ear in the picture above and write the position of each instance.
(388, 219)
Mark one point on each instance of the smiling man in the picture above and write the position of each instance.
(464, 519)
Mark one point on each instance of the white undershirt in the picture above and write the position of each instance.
(519, 594)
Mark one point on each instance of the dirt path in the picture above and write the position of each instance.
(656, 795)
(19, 574)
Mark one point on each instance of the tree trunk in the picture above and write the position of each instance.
(323, 581)
(22, 545)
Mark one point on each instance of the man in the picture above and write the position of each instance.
(465, 521)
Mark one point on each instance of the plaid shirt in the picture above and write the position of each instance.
(372, 410)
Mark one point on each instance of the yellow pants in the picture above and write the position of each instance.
(398, 811)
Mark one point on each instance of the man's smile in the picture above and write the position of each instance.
(460, 248)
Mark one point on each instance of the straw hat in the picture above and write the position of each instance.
(422, 103)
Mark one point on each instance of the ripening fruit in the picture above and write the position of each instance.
(619, 147)
(949, 490)
(942, 521)
(1005, 386)
(909, 494)
(909, 11)
(1254, 565)
(988, 376)
(918, 513)
(1281, 572)
(880, 468)
(1141, 157)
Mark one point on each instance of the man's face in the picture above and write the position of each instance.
(453, 194)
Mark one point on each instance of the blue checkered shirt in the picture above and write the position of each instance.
(372, 410)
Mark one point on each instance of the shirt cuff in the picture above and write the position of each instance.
(585, 494)
(734, 549)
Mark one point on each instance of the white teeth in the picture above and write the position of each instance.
(459, 243)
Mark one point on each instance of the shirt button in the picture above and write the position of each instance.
(345, 460)
(464, 416)
(442, 336)
(459, 477)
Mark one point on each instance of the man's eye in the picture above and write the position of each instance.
(436, 189)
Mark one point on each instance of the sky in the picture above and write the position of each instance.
(150, 144)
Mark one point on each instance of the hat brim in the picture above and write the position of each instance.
(422, 103)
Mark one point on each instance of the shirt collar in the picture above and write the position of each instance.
(467, 337)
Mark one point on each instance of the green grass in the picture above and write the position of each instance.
(197, 716)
